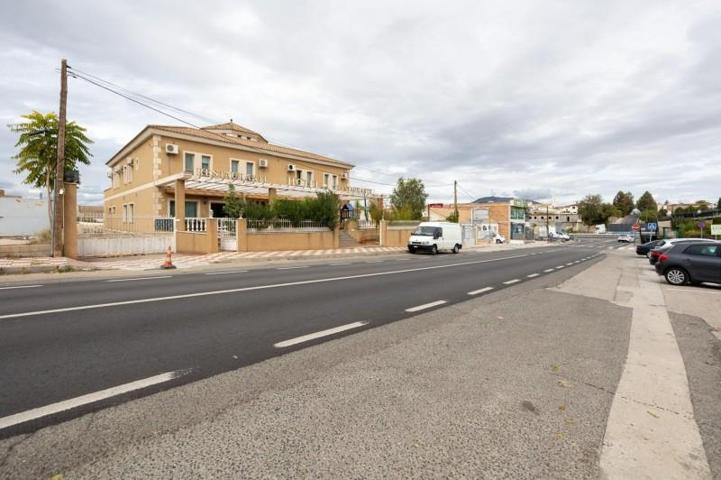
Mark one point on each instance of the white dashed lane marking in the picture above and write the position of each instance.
(320, 334)
(481, 290)
(20, 286)
(533, 275)
(58, 407)
(509, 282)
(425, 306)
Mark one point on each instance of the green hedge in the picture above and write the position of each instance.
(324, 208)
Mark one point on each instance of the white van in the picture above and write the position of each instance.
(436, 236)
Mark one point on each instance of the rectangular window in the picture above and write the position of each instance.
(191, 208)
(335, 182)
(131, 212)
(249, 169)
(234, 166)
(189, 162)
(205, 162)
(308, 179)
(125, 213)
(326, 178)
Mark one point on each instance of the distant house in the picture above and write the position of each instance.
(504, 215)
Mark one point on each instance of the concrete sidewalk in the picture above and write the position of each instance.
(652, 430)
(183, 261)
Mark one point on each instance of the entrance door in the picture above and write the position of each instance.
(216, 210)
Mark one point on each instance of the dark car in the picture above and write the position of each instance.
(644, 248)
(693, 263)
(667, 245)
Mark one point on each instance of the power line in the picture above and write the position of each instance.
(109, 89)
(466, 192)
(140, 95)
(397, 175)
(80, 76)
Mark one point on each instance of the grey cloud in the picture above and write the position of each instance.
(560, 98)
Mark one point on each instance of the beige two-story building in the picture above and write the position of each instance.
(166, 166)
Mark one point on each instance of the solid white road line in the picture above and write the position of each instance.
(548, 270)
(53, 408)
(251, 289)
(321, 334)
(227, 273)
(426, 305)
(292, 268)
(20, 286)
(138, 279)
(509, 282)
(533, 275)
(481, 290)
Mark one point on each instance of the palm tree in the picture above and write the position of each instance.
(38, 143)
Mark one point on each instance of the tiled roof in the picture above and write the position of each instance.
(231, 126)
(269, 147)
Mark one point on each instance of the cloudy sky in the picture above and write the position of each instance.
(551, 99)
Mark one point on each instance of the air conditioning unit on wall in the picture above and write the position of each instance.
(291, 167)
(171, 149)
(262, 163)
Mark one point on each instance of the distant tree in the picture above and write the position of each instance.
(453, 217)
(590, 209)
(608, 210)
(376, 212)
(718, 204)
(409, 198)
(623, 201)
(663, 213)
(233, 207)
(38, 143)
(646, 202)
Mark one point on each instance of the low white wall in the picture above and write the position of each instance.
(23, 216)
(113, 246)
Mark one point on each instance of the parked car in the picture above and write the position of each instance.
(661, 248)
(644, 248)
(436, 236)
(691, 262)
(626, 238)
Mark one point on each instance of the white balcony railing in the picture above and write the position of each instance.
(196, 224)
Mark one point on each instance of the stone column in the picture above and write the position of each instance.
(383, 233)
(70, 220)
(180, 205)
(241, 232)
(212, 235)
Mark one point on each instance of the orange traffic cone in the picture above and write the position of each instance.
(168, 264)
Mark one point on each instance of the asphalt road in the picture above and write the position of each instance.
(60, 341)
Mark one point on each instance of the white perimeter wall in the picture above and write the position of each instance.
(113, 246)
(23, 216)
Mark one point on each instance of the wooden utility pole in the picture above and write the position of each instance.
(455, 200)
(60, 165)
